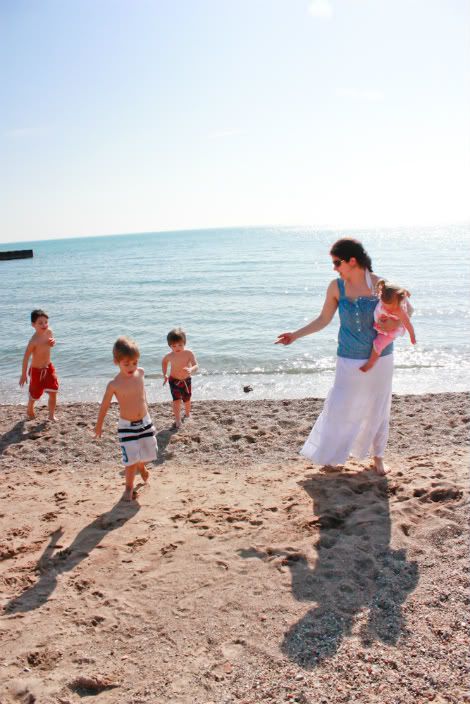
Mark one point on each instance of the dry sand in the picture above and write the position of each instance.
(243, 573)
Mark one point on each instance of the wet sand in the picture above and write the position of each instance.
(243, 573)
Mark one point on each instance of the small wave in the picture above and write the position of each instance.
(255, 372)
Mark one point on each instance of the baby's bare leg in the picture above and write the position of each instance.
(130, 476)
(30, 409)
(370, 362)
(51, 404)
(177, 412)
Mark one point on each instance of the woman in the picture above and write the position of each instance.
(355, 417)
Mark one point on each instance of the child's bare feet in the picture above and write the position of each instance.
(176, 425)
(30, 410)
(52, 418)
(128, 494)
(145, 474)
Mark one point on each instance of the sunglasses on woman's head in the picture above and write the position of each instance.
(337, 262)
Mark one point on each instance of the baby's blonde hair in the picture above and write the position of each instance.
(124, 348)
(389, 293)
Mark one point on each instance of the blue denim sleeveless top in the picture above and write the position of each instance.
(356, 331)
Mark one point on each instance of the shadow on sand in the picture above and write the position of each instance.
(356, 572)
(163, 440)
(17, 434)
(51, 565)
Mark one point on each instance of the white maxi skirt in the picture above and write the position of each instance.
(356, 415)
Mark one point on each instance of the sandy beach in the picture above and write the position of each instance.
(243, 573)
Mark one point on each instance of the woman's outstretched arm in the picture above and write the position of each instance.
(329, 309)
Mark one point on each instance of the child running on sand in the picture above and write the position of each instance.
(42, 372)
(182, 363)
(392, 304)
(135, 428)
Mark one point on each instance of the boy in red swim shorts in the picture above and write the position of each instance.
(42, 373)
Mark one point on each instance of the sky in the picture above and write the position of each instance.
(124, 116)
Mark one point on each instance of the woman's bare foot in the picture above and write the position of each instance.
(379, 467)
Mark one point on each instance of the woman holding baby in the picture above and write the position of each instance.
(355, 418)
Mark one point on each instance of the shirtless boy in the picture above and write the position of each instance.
(182, 363)
(42, 373)
(135, 428)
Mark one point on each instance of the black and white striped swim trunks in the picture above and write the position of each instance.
(137, 440)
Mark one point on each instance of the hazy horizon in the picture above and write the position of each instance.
(307, 228)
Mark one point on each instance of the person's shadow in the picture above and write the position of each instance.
(17, 434)
(51, 565)
(163, 440)
(356, 570)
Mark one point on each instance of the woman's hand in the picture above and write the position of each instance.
(285, 338)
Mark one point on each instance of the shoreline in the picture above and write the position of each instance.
(229, 387)
(243, 573)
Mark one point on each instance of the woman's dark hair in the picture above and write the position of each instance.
(347, 248)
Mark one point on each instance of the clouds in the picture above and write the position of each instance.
(321, 9)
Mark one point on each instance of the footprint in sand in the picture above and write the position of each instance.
(43, 659)
(50, 516)
(167, 550)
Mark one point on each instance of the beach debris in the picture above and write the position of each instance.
(247, 388)
(93, 683)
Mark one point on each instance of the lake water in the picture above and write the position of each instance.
(233, 291)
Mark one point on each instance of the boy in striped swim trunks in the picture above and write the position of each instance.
(135, 428)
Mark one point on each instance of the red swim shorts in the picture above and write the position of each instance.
(42, 380)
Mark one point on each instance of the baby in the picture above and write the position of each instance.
(183, 364)
(392, 305)
(42, 372)
(135, 428)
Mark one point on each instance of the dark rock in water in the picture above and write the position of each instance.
(247, 388)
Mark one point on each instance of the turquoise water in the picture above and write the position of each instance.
(233, 291)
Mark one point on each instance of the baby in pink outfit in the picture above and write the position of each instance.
(392, 305)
